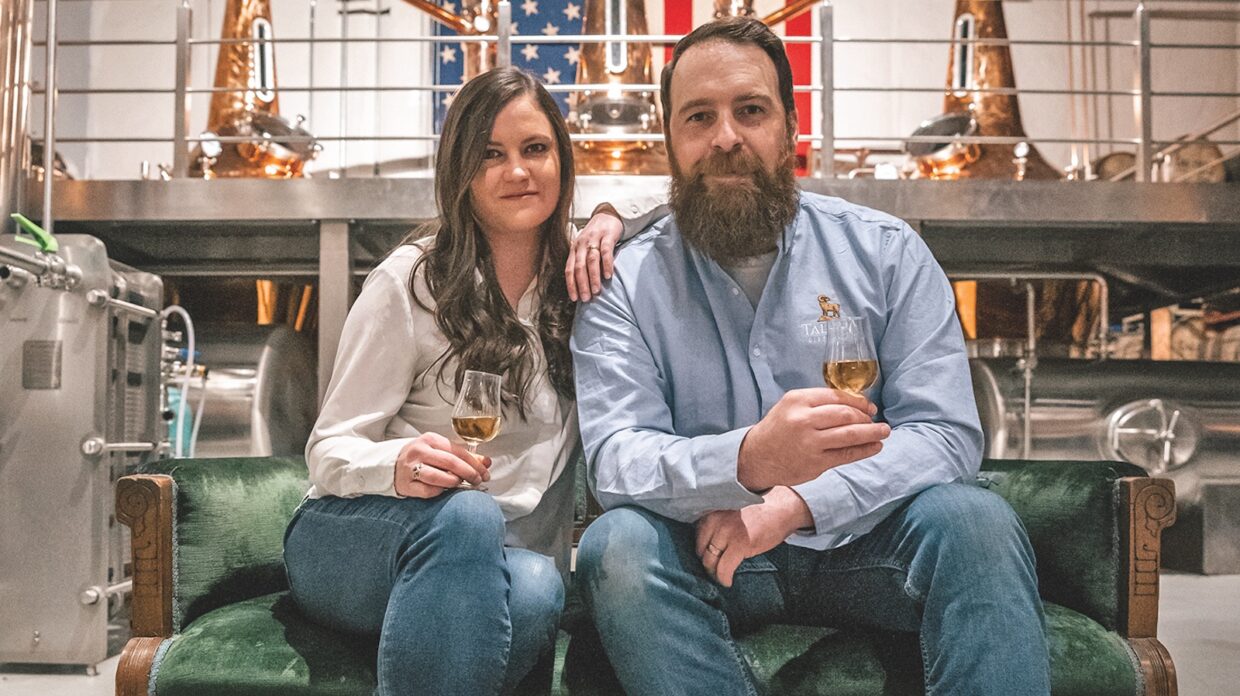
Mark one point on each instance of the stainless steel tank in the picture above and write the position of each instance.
(79, 407)
(261, 395)
(1175, 419)
(15, 25)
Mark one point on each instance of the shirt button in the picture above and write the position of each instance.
(757, 352)
(736, 291)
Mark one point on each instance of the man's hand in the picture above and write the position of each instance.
(806, 433)
(591, 254)
(727, 537)
(432, 464)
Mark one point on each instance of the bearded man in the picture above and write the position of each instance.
(739, 490)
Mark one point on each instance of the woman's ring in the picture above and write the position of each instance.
(714, 549)
(416, 473)
(592, 247)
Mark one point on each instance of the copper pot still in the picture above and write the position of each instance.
(608, 108)
(248, 107)
(979, 99)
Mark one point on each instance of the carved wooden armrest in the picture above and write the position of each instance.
(144, 503)
(1147, 506)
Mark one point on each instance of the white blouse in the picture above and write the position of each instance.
(386, 389)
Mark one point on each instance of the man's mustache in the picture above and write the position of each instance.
(727, 164)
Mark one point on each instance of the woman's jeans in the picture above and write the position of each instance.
(456, 612)
(953, 565)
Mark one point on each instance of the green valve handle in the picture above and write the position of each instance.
(41, 238)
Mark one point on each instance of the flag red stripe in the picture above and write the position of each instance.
(802, 65)
(677, 19)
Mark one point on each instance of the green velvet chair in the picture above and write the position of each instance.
(212, 615)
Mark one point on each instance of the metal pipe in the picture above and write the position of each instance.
(444, 17)
(655, 39)
(310, 60)
(643, 87)
(503, 35)
(585, 137)
(49, 117)
(1193, 172)
(14, 277)
(100, 298)
(377, 100)
(651, 39)
(78, 43)
(343, 115)
(789, 11)
(1094, 109)
(1086, 53)
(181, 105)
(826, 157)
(25, 262)
(1074, 156)
(95, 446)
(1144, 102)
(1201, 15)
(1109, 70)
(1028, 363)
(120, 588)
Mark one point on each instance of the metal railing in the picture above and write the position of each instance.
(1148, 150)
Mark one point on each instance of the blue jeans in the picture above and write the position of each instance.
(455, 611)
(953, 565)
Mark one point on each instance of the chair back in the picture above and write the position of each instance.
(229, 522)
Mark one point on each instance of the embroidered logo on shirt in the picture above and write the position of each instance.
(830, 310)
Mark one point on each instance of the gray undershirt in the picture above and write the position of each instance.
(751, 275)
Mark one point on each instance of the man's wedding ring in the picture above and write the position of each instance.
(714, 549)
(592, 247)
(416, 473)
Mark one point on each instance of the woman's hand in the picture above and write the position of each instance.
(432, 464)
(591, 253)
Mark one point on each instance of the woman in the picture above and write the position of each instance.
(463, 587)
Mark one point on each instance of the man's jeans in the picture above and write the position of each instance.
(456, 612)
(953, 564)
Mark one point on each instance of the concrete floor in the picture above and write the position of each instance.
(1199, 622)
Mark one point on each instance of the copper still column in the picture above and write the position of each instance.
(973, 69)
(249, 106)
(613, 111)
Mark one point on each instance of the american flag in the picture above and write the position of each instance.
(552, 64)
(556, 64)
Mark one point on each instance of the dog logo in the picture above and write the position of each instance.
(830, 310)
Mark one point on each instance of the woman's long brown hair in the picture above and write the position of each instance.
(482, 329)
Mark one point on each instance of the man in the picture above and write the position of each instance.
(739, 490)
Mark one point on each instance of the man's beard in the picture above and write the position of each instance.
(737, 219)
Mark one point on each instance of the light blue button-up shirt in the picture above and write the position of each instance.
(674, 364)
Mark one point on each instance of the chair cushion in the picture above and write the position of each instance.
(263, 646)
(1071, 512)
(1086, 660)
